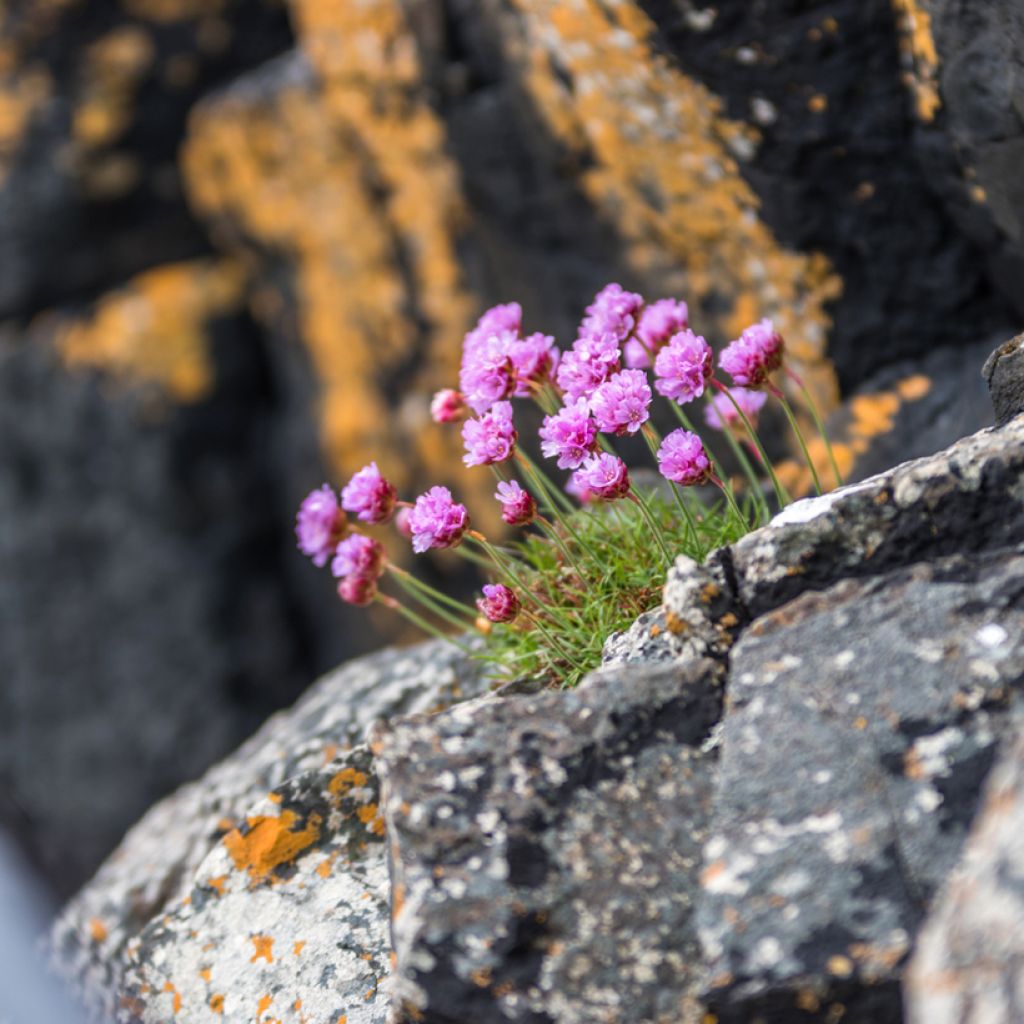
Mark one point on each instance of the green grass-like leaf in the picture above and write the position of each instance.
(615, 573)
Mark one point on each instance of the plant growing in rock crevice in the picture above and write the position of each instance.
(590, 553)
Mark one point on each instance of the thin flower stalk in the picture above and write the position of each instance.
(812, 407)
(791, 416)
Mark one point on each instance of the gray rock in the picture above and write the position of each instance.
(859, 724)
(155, 868)
(969, 964)
(544, 850)
(1004, 373)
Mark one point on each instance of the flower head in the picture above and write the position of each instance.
(658, 322)
(604, 476)
(358, 555)
(447, 406)
(499, 603)
(569, 434)
(505, 317)
(320, 524)
(368, 496)
(358, 590)
(437, 520)
(487, 375)
(683, 367)
(621, 405)
(591, 361)
(579, 490)
(755, 354)
(683, 459)
(402, 521)
(491, 438)
(614, 312)
(518, 507)
(722, 413)
(534, 360)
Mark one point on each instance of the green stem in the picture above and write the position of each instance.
(419, 621)
(653, 440)
(799, 436)
(756, 492)
(781, 494)
(652, 523)
(819, 423)
(553, 640)
(431, 592)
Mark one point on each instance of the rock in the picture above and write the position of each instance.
(967, 968)
(154, 872)
(860, 722)
(1004, 374)
(543, 849)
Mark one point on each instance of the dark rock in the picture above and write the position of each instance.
(859, 724)
(969, 964)
(544, 848)
(1004, 374)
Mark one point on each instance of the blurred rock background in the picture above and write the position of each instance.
(241, 240)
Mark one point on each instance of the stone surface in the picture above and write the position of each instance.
(544, 848)
(155, 869)
(1004, 374)
(860, 722)
(968, 966)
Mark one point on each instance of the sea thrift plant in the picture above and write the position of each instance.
(583, 530)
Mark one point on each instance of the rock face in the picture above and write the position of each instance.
(749, 814)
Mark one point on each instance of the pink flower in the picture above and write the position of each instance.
(491, 438)
(437, 520)
(591, 361)
(499, 603)
(368, 496)
(683, 459)
(755, 354)
(518, 507)
(721, 412)
(658, 323)
(497, 319)
(683, 367)
(621, 405)
(614, 312)
(569, 434)
(487, 375)
(319, 525)
(579, 490)
(358, 555)
(358, 590)
(447, 406)
(534, 360)
(604, 476)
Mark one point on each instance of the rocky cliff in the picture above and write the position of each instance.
(775, 802)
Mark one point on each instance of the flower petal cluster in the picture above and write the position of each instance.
(487, 374)
(518, 507)
(437, 520)
(622, 404)
(358, 555)
(368, 496)
(591, 361)
(358, 590)
(722, 413)
(683, 459)
(507, 317)
(499, 603)
(447, 406)
(603, 476)
(683, 367)
(613, 313)
(755, 354)
(491, 438)
(534, 361)
(569, 435)
(319, 525)
(658, 322)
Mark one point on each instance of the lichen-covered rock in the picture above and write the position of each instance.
(544, 850)
(969, 965)
(155, 869)
(859, 724)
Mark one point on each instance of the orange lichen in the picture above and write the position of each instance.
(658, 159)
(154, 329)
(351, 179)
(920, 58)
(97, 930)
(270, 842)
(217, 884)
(263, 1005)
(175, 997)
(346, 779)
(297, 948)
(206, 973)
(169, 11)
(264, 948)
(21, 96)
(217, 1003)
